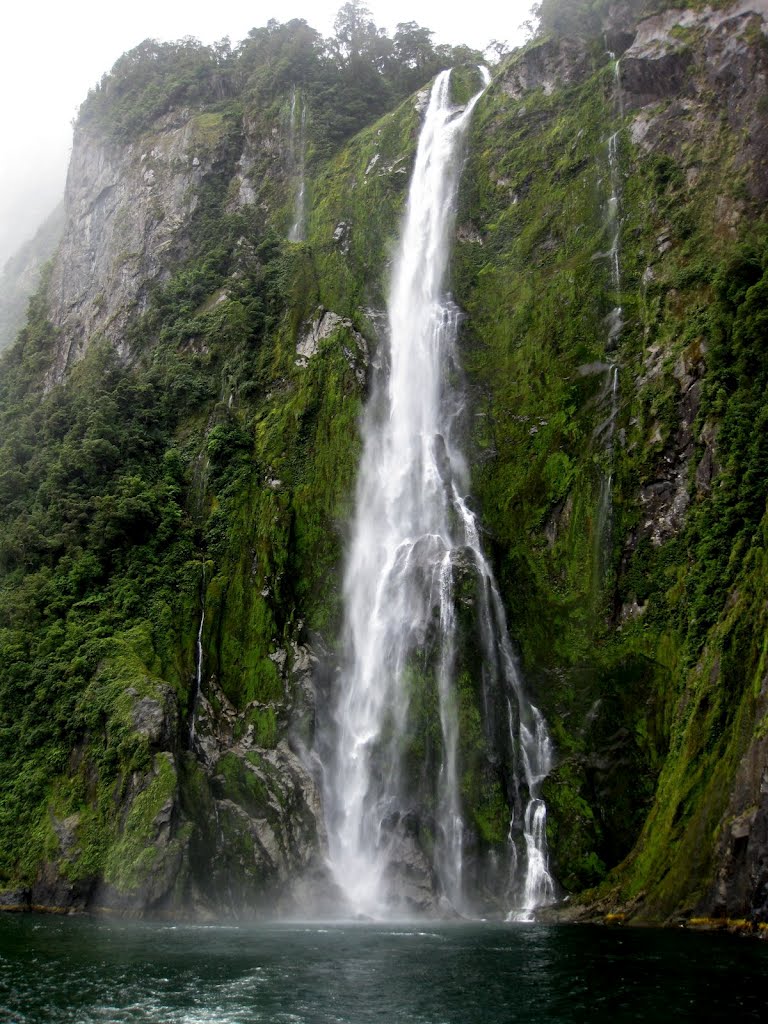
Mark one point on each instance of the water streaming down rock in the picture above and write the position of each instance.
(425, 631)
(298, 148)
(198, 664)
(616, 316)
(604, 525)
(615, 326)
(613, 224)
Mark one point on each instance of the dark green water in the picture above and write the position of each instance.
(83, 971)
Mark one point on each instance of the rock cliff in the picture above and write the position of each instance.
(610, 348)
(126, 210)
(21, 275)
(181, 444)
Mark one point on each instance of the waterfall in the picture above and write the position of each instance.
(613, 222)
(615, 326)
(198, 663)
(399, 836)
(298, 147)
(604, 525)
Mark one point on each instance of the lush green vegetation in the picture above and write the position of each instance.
(213, 453)
(93, 523)
(352, 77)
(620, 627)
(215, 467)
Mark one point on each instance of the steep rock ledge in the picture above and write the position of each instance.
(126, 210)
(237, 391)
(603, 548)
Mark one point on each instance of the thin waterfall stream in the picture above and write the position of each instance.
(297, 134)
(198, 664)
(429, 676)
(615, 326)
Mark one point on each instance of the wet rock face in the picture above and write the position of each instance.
(619, 24)
(679, 60)
(741, 885)
(127, 215)
(325, 324)
(156, 719)
(553, 64)
(665, 499)
(656, 64)
(125, 206)
(409, 874)
(237, 829)
(52, 891)
(259, 837)
(267, 818)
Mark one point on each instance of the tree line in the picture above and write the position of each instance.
(352, 76)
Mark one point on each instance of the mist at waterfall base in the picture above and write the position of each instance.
(83, 971)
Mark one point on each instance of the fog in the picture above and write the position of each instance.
(55, 52)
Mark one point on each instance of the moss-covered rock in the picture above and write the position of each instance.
(180, 442)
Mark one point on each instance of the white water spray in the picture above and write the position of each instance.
(393, 797)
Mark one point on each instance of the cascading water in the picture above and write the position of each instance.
(399, 837)
(616, 316)
(615, 325)
(198, 664)
(298, 147)
(613, 226)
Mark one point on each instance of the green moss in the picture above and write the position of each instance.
(537, 293)
(133, 857)
(215, 448)
(573, 832)
(360, 196)
(673, 864)
(242, 785)
(465, 82)
(264, 723)
(491, 815)
(207, 129)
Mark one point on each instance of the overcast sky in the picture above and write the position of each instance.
(53, 51)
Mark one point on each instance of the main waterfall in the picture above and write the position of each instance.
(433, 769)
